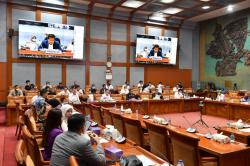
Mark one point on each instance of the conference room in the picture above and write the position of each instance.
(124, 82)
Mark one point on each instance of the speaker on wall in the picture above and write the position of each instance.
(10, 32)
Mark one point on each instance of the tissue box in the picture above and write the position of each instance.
(113, 153)
(96, 130)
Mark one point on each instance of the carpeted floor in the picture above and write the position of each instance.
(7, 142)
(8, 139)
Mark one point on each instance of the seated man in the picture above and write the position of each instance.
(109, 86)
(41, 105)
(60, 86)
(106, 96)
(132, 96)
(246, 98)
(47, 84)
(50, 43)
(140, 85)
(103, 89)
(28, 85)
(157, 95)
(155, 52)
(125, 89)
(160, 87)
(65, 92)
(74, 97)
(93, 89)
(16, 91)
(75, 142)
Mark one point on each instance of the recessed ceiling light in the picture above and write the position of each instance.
(167, 1)
(230, 8)
(205, 7)
(205, 0)
(133, 3)
(172, 10)
(158, 16)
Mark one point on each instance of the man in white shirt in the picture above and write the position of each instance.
(125, 89)
(65, 92)
(106, 96)
(220, 97)
(160, 87)
(140, 85)
(151, 86)
(109, 86)
(74, 98)
(47, 84)
(178, 94)
(79, 91)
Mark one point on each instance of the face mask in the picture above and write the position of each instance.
(33, 40)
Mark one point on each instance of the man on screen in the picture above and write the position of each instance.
(50, 43)
(155, 52)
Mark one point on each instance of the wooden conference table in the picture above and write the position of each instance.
(152, 106)
(231, 154)
(233, 111)
(130, 148)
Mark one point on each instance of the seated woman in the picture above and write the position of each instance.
(67, 111)
(52, 129)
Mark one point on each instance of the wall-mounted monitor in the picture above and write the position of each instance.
(50, 40)
(156, 49)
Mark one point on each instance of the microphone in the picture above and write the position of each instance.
(190, 129)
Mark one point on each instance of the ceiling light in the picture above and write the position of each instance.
(133, 3)
(172, 10)
(167, 1)
(205, 0)
(205, 7)
(230, 8)
(158, 16)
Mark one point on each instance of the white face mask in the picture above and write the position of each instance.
(33, 40)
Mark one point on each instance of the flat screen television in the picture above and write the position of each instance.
(156, 49)
(50, 40)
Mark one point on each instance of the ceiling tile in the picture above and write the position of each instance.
(187, 3)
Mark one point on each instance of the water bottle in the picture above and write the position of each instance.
(180, 163)
(232, 137)
(121, 107)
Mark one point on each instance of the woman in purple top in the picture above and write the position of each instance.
(51, 130)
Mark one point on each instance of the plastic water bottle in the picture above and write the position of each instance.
(180, 163)
(121, 107)
(232, 137)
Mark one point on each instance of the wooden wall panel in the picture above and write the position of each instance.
(167, 75)
(3, 81)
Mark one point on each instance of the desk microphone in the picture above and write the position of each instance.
(190, 129)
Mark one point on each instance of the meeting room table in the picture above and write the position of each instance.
(130, 148)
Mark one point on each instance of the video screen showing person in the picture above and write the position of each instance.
(50, 40)
(156, 49)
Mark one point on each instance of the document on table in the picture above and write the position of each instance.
(103, 140)
(245, 130)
